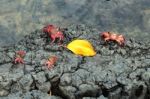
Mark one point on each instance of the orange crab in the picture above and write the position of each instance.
(19, 57)
(110, 36)
(54, 33)
(51, 62)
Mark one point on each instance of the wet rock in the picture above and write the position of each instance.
(1, 78)
(41, 82)
(146, 76)
(4, 58)
(5, 84)
(40, 77)
(15, 87)
(102, 97)
(89, 90)
(26, 82)
(3, 93)
(16, 95)
(5, 68)
(16, 73)
(68, 91)
(28, 69)
(39, 95)
(44, 87)
(52, 48)
(118, 73)
(65, 79)
(122, 51)
(88, 98)
(70, 65)
(30, 95)
(115, 94)
(80, 76)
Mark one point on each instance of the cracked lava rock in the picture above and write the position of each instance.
(113, 73)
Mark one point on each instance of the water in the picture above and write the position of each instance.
(21, 17)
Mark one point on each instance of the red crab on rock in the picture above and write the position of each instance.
(54, 33)
(51, 62)
(110, 36)
(19, 57)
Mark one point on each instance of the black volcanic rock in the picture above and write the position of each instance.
(113, 73)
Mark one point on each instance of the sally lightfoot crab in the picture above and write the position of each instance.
(110, 36)
(19, 57)
(54, 33)
(51, 62)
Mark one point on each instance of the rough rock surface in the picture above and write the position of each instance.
(114, 73)
(21, 17)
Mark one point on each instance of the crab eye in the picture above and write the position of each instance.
(81, 47)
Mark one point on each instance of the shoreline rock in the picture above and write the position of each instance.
(118, 73)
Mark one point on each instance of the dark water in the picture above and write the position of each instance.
(21, 17)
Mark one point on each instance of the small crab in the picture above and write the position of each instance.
(54, 33)
(51, 62)
(109, 36)
(19, 57)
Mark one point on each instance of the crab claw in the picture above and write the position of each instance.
(19, 60)
(51, 62)
(19, 57)
(49, 65)
(110, 36)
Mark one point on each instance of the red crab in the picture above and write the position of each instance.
(19, 57)
(51, 62)
(54, 33)
(109, 36)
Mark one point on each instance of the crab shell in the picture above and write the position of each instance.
(21, 53)
(112, 36)
(48, 28)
